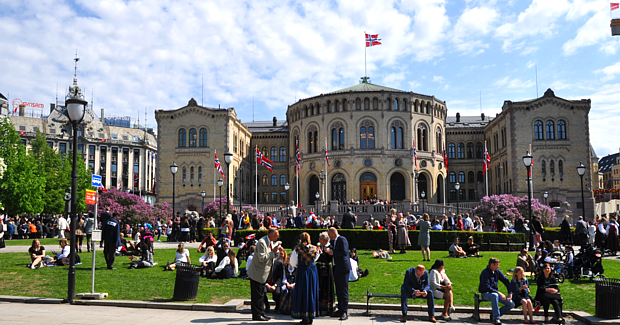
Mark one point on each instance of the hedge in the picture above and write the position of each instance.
(378, 239)
(552, 234)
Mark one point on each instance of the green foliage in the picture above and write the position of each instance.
(378, 239)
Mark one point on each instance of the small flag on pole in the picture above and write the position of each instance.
(415, 154)
(372, 40)
(218, 166)
(263, 160)
(486, 159)
(445, 158)
(614, 6)
(298, 157)
(327, 156)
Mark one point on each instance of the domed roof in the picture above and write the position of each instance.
(365, 86)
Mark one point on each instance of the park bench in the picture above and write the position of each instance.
(380, 295)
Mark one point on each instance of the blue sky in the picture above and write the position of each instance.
(138, 55)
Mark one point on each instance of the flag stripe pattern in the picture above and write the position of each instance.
(486, 159)
(615, 6)
(327, 156)
(445, 159)
(372, 40)
(218, 166)
(260, 159)
(297, 157)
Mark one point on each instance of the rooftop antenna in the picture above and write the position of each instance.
(92, 98)
(56, 94)
(202, 100)
(481, 101)
(75, 67)
(536, 69)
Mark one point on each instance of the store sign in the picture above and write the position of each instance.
(90, 197)
(18, 102)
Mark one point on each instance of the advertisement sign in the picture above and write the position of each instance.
(90, 197)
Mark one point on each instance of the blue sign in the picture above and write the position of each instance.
(96, 181)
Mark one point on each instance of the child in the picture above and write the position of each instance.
(570, 255)
(521, 294)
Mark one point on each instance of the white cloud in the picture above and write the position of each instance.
(595, 30)
(530, 64)
(610, 72)
(514, 83)
(438, 79)
(394, 79)
(471, 25)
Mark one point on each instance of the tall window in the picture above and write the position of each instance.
(404, 108)
(282, 179)
(543, 168)
(538, 130)
(203, 137)
(422, 140)
(471, 177)
(337, 136)
(561, 130)
(363, 136)
(375, 103)
(274, 154)
(461, 151)
(395, 104)
(274, 180)
(344, 105)
(336, 107)
(479, 150)
(451, 151)
(452, 177)
(192, 137)
(561, 167)
(199, 173)
(461, 177)
(182, 137)
(470, 150)
(550, 130)
(191, 174)
(282, 153)
(358, 104)
(552, 168)
(396, 135)
(265, 180)
(366, 104)
(265, 152)
(184, 174)
(438, 142)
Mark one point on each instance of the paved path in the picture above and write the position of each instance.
(52, 314)
(156, 245)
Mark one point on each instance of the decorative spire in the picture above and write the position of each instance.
(74, 90)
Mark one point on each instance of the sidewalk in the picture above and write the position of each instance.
(156, 245)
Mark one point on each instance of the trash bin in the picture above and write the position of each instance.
(607, 297)
(186, 283)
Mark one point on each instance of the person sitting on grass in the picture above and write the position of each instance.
(489, 278)
(37, 254)
(146, 259)
(456, 250)
(526, 261)
(227, 268)
(208, 262)
(521, 289)
(416, 285)
(356, 271)
(62, 257)
(471, 248)
(208, 241)
(182, 256)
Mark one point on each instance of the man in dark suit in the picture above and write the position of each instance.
(348, 220)
(111, 235)
(222, 250)
(342, 267)
(416, 285)
(274, 283)
(255, 223)
(451, 222)
(105, 216)
(299, 221)
(235, 219)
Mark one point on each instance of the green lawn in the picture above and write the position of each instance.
(156, 285)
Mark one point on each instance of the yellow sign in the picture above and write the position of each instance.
(90, 197)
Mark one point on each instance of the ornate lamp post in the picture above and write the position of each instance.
(317, 195)
(546, 195)
(581, 170)
(220, 182)
(423, 194)
(76, 107)
(228, 156)
(527, 161)
(203, 201)
(174, 168)
(457, 186)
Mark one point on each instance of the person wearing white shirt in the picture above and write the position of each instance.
(228, 267)
(208, 261)
(182, 256)
(601, 233)
(62, 226)
(442, 287)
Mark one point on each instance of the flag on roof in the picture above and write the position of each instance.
(372, 40)
(218, 166)
(614, 6)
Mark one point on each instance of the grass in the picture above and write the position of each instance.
(156, 285)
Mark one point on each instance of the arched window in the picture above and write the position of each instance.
(396, 135)
(182, 137)
(337, 136)
(561, 130)
(363, 135)
(393, 137)
(543, 168)
(344, 105)
(479, 176)
(395, 104)
(389, 104)
(538, 130)
(265, 180)
(479, 150)
(274, 180)
(438, 141)
(399, 137)
(316, 140)
(552, 168)
(358, 104)
(282, 179)
(310, 142)
(461, 151)
(404, 104)
(274, 154)
(550, 130)
(471, 177)
(191, 174)
(203, 137)
(265, 152)
(452, 177)
(282, 153)
(184, 174)
(451, 151)
(366, 104)
(461, 177)
(470, 150)
(561, 167)
(336, 106)
(375, 103)
(428, 107)
(371, 137)
(199, 173)
(193, 137)
(329, 106)
(422, 140)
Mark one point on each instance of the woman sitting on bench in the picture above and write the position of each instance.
(442, 287)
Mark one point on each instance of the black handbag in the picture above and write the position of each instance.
(2, 244)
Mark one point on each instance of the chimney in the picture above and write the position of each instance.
(458, 117)
(22, 110)
(275, 121)
(102, 120)
(52, 107)
(482, 116)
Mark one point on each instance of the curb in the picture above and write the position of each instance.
(235, 304)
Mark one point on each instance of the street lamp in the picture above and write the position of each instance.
(581, 170)
(228, 156)
(203, 201)
(174, 168)
(76, 107)
(423, 194)
(219, 183)
(457, 186)
(317, 195)
(500, 177)
(546, 195)
(288, 207)
(528, 160)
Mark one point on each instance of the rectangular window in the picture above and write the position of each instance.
(50, 144)
(453, 195)
(274, 197)
(283, 197)
(62, 147)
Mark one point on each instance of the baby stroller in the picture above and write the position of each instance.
(244, 247)
(588, 263)
(558, 269)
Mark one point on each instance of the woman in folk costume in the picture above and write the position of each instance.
(306, 293)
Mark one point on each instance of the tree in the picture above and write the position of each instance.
(513, 207)
(132, 208)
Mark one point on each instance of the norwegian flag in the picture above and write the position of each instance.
(614, 6)
(260, 159)
(415, 155)
(103, 188)
(486, 159)
(250, 237)
(135, 180)
(445, 158)
(120, 184)
(372, 40)
(298, 157)
(327, 156)
(218, 166)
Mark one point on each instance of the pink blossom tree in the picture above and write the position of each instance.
(513, 207)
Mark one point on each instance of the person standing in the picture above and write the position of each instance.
(299, 221)
(342, 267)
(424, 237)
(581, 230)
(348, 220)
(489, 278)
(566, 238)
(537, 231)
(416, 285)
(259, 270)
(390, 226)
(200, 227)
(62, 226)
(235, 219)
(402, 234)
(306, 294)
(89, 225)
(112, 239)
(105, 216)
(326, 276)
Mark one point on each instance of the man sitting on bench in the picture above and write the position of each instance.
(416, 285)
(488, 288)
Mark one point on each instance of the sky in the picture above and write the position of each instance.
(261, 56)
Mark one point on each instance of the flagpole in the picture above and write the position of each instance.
(530, 177)
(256, 181)
(486, 175)
(214, 182)
(365, 73)
(297, 165)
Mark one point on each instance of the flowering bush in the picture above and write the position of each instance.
(213, 209)
(513, 207)
(132, 208)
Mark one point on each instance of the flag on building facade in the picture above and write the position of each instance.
(260, 159)
(297, 157)
(218, 166)
(445, 158)
(135, 180)
(372, 40)
(415, 155)
(327, 156)
(486, 159)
